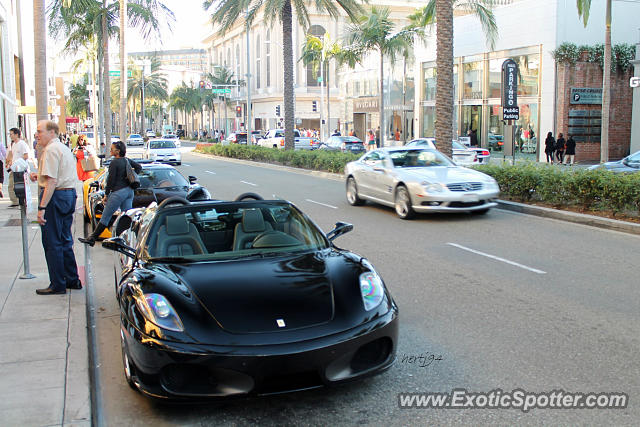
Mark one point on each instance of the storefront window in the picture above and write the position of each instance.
(429, 78)
(526, 129)
(429, 121)
(528, 67)
(473, 80)
(495, 77)
(472, 123)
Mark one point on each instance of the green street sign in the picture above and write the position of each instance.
(116, 73)
(319, 79)
(215, 90)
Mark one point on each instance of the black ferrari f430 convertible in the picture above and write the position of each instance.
(245, 297)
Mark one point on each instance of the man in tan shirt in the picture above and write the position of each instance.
(57, 184)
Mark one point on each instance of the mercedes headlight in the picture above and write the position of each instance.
(159, 311)
(371, 289)
(433, 188)
(493, 185)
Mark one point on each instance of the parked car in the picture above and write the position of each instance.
(306, 143)
(275, 138)
(195, 322)
(172, 137)
(180, 133)
(346, 144)
(157, 183)
(163, 150)
(150, 133)
(462, 155)
(629, 164)
(416, 179)
(135, 139)
(238, 138)
(496, 142)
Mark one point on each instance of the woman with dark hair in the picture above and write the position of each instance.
(560, 149)
(550, 147)
(118, 192)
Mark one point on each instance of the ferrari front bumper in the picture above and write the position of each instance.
(188, 371)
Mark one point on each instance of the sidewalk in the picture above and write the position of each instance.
(44, 377)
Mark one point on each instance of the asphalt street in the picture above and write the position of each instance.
(509, 301)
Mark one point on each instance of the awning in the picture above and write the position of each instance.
(72, 120)
(31, 109)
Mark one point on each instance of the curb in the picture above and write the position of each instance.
(575, 217)
(568, 216)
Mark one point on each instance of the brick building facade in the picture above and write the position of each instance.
(589, 75)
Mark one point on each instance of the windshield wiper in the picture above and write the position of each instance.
(171, 259)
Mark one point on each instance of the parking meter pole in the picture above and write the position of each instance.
(25, 242)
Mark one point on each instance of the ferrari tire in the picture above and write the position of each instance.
(403, 203)
(352, 193)
(129, 369)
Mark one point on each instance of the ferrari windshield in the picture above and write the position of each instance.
(161, 177)
(418, 158)
(233, 230)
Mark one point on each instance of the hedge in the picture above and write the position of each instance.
(598, 189)
(323, 160)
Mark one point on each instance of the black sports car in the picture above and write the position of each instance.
(157, 183)
(221, 299)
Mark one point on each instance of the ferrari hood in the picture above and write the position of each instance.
(264, 295)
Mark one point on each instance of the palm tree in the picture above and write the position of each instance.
(153, 85)
(224, 77)
(227, 12)
(77, 104)
(375, 32)
(187, 100)
(441, 11)
(584, 7)
(318, 51)
(40, 50)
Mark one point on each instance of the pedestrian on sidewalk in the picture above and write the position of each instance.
(118, 192)
(81, 152)
(549, 147)
(19, 150)
(57, 195)
(560, 147)
(3, 158)
(570, 150)
(378, 137)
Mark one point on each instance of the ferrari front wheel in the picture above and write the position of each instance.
(129, 370)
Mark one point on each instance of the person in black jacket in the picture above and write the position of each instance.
(571, 150)
(549, 147)
(118, 192)
(560, 148)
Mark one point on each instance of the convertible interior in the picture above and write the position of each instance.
(228, 231)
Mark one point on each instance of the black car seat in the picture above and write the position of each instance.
(179, 237)
(252, 224)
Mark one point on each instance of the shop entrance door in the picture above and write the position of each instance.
(360, 124)
(472, 122)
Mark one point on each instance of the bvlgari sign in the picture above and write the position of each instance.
(366, 105)
(510, 110)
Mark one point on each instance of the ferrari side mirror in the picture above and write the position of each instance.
(341, 228)
(117, 244)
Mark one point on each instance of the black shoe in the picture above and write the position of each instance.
(87, 241)
(75, 285)
(49, 291)
(13, 205)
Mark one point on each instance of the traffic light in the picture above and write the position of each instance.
(278, 110)
(314, 106)
(238, 111)
(201, 85)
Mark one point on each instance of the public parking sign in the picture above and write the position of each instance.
(510, 110)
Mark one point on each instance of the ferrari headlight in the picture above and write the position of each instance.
(433, 188)
(159, 311)
(371, 289)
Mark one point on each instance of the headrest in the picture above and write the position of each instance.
(252, 221)
(177, 225)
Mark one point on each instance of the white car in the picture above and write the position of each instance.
(151, 134)
(418, 179)
(275, 138)
(172, 137)
(135, 139)
(162, 151)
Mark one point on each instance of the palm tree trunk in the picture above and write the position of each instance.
(382, 128)
(40, 51)
(606, 89)
(444, 72)
(289, 101)
(123, 72)
(326, 76)
(106, 94)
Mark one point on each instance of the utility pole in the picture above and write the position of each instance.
(248, 124)
(123, 72)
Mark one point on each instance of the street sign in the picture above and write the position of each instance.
(510, 90)
(319, 79)
(217, 90)
(587, 95)
(116, 73)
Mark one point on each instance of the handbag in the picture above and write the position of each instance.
(90, 162)
(132, 176)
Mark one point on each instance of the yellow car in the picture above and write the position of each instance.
(98, 182)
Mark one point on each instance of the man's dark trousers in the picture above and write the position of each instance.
(57, 240)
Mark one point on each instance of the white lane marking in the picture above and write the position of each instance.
(184, 164)
(535, 270)
(249, 183)
(323, 204)
(212, 173)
